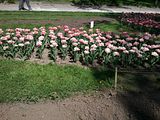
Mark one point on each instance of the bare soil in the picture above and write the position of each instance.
(104, 105)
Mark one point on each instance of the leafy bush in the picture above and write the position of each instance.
(97, 2)
(148, 3)
(11, 1)
(1, 1)
(8, 1)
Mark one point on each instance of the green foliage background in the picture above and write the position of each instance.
(148, 3)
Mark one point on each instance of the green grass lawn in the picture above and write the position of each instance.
(24, 81)
(24, 17)
(32, 19)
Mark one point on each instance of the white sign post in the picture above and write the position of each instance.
(92, 24)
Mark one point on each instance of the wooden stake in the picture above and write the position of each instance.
(115, 82)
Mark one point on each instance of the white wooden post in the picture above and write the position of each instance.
(115, 82)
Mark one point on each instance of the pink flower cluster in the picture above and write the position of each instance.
(145, 21)
(104, 47)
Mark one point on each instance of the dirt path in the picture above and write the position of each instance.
(98, 106)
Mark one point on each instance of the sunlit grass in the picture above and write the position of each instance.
(24, 81)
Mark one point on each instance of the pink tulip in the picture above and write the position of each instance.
(129, 39)
(94, 46)
(100, 44)
(3, 38)
(35, 32)
(5, 47)
(81, 28)
(41, 38)
(64, 46)
(107, 50)
(121, 48)
(66, 27)
(54, 44)
(81, 41)
(158, 51)
(139, 55)
(70, 32)
(86, 52)
(20, 44)
(59, 34)
(93, 49)
(86, 48)
(21, 39)
(76, 49)
(39, 43)
(98, 40)
(53, 37)
(91, 40)
(136, 43)
(75, 44)
(1, 43)
(43, 32)
(73, 29)
(117, 36)
(1, 31)
(10, 42)
(145, 45)
(126, 51)
(155, 54)
(54, 28)
(27, 43)
(76, 34)
(35, 29)
(116, 54)
(29, 37)
(146, 37)
(90, 30)
(74, 39)
(129, 45)
(108, 36)
(66, 30)
(132, 51)
(63, 41)
(135, 48)
(27, 30)
(85, 35)
(141, 40)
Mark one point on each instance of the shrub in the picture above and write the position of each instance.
(8, 1)
(1, 1)
(148, 3)
(97, 2)
(11, 1)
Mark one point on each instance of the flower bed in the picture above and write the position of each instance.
(105, 48)
(142, 21)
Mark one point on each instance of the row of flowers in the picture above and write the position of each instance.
(87, 47)
(142, 21)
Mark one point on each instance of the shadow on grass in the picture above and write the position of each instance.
(104, 76)
(142, 99)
